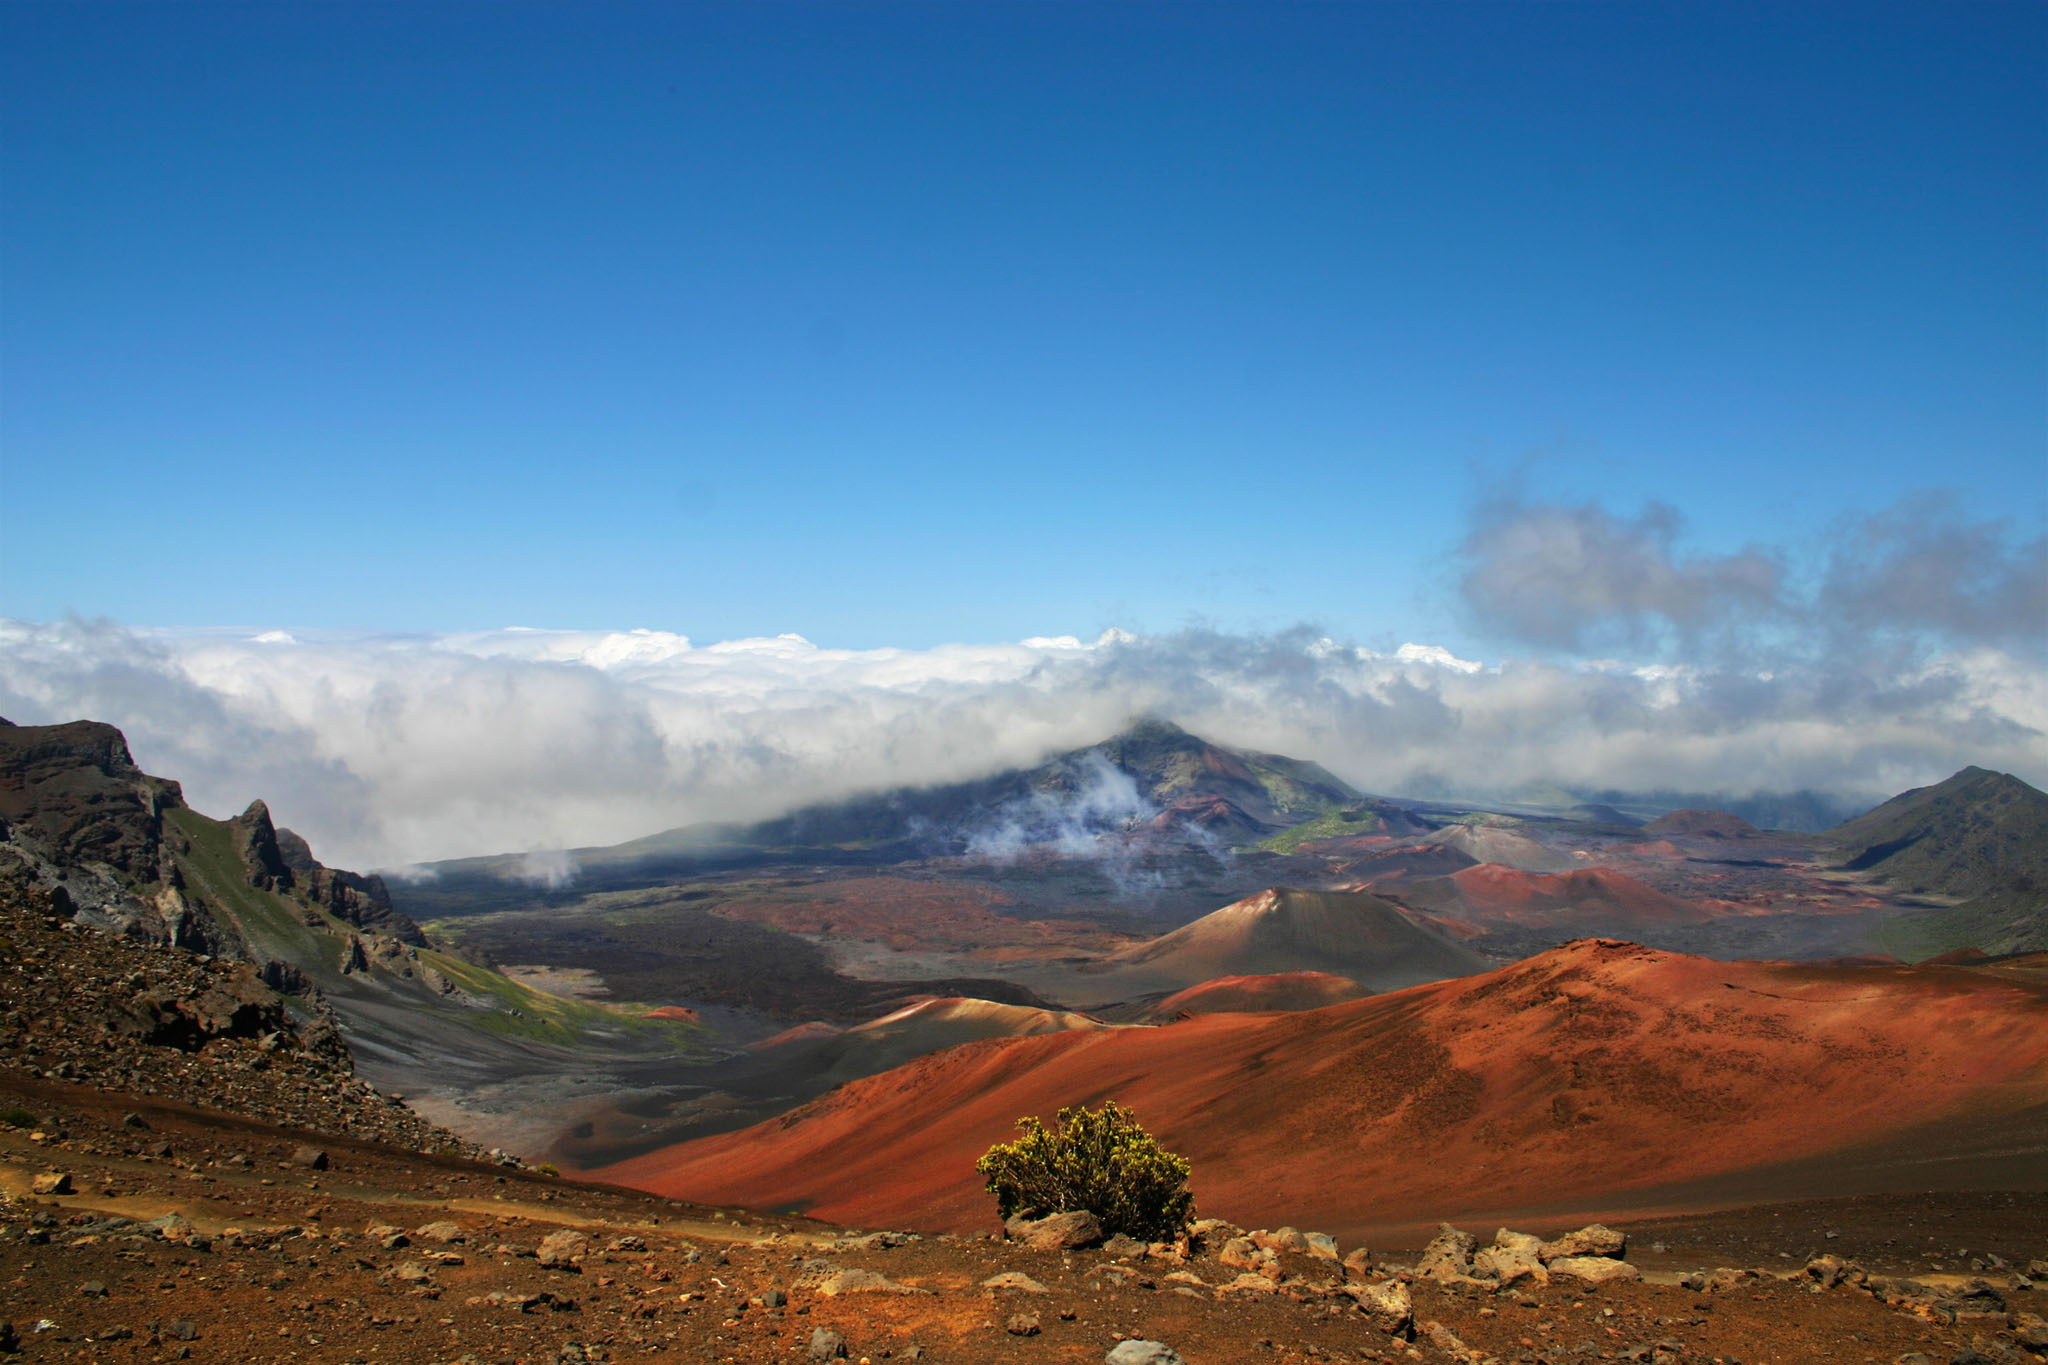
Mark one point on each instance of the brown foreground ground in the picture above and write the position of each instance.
(280, 1263)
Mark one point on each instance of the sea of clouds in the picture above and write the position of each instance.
(1623, 664)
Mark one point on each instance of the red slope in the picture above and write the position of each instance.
(1279, 992)
(1593, 896)
(1593, 1069)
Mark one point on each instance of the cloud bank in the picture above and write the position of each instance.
(387, 751)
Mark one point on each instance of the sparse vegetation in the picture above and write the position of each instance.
(1330, 825)
(1101, 1160)
(17, 1117)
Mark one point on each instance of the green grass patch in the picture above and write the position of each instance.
(1330, 825)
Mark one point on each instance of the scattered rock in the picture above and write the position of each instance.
(1321, 1244)
(50, 1182)
(827, 1344)
(441, 1231)
(1122, 1246)
(312, 1158)
(1022, 1325)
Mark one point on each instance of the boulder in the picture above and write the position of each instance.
(1508, 1265)
(827, 1344)
(1060, 1232)
(1448, 1255)
(1387, 1304)
(2031, 1331)
(1322, 1244)
(1595, 1239)
(857, 1281)
(1281, 1240)
(1121, 1245)
(1017, 1280)
(1022, 1325)
(312, 1158)
(562, 1250)
(50, 1182)
(1137, 1352)
(1241, 1253)
(1594, 1269)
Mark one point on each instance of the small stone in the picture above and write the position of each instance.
(1022, 1325)
(50, 1182)
(827, 1344)
(312, 1158)
(93, 1289)
(184, 1329)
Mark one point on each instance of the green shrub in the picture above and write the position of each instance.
(17, 1117)
(1101, 1160)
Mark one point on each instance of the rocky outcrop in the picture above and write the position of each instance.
(256, 841)
(352, 897)
(74, 790)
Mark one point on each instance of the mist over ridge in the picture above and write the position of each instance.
(395, 750)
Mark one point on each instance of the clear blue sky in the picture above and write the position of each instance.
(896, 324)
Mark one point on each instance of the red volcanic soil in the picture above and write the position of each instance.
(1592, 1076)
(1594, 896)
(909, 915)
(682, 1012)
(1281, 991)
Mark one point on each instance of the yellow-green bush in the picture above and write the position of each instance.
(1101, 1160)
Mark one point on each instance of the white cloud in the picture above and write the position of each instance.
(393, 750)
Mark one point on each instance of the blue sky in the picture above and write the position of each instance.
(905, 324)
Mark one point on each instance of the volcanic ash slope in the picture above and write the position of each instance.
(1596, 1070)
